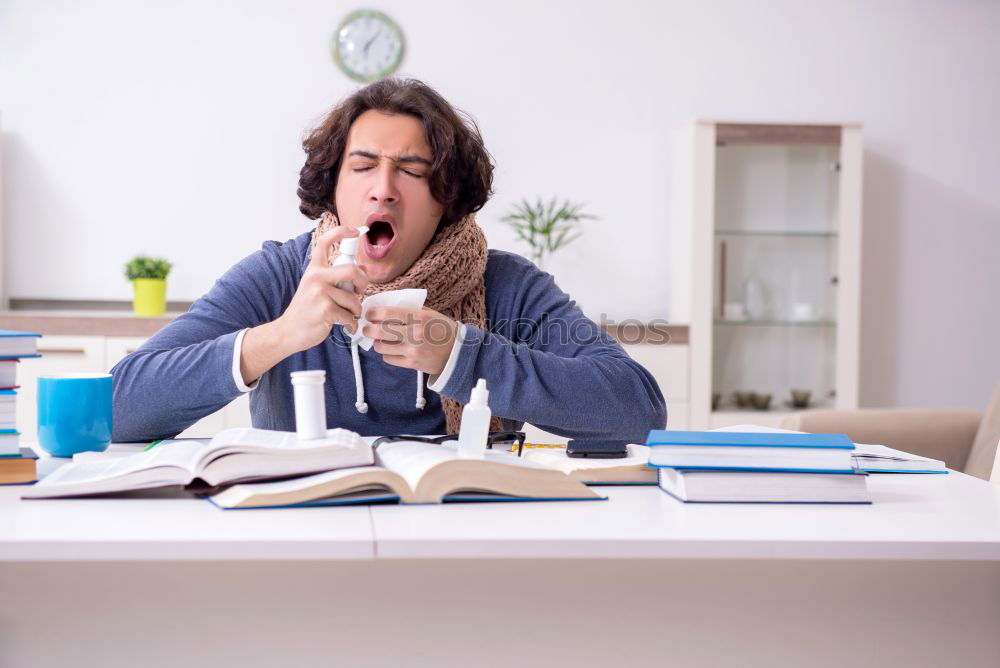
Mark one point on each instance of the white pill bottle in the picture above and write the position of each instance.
(310, 404)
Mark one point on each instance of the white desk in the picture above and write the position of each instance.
(914, 578)
(950, 517)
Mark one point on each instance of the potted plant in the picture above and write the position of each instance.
(546, 227)
(149, 283)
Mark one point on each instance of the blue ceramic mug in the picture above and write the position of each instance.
(74, 413)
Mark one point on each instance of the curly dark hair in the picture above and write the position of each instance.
(460, 178)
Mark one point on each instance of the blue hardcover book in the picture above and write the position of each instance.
(658, 437)
(792, 453)
(14, 344)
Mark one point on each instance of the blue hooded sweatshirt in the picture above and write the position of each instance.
(544, 362)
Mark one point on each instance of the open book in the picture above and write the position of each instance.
(881, 459)
(412, 472)
(630, 470)
(866, 457)
(232, 456)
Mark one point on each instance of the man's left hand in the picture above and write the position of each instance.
(420, 340)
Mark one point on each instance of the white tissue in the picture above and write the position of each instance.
(410, 299)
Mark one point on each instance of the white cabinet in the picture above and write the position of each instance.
(97, 354)
(768, 249)
(117, 347)
(669, 365)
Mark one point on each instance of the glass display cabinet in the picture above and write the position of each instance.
(774, 238)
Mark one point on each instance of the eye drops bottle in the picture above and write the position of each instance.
(475, 427)
(310, 404)
(348, 255)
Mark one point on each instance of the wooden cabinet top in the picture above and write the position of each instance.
(124, 323)
(84, 323)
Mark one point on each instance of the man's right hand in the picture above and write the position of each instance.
(318, 304)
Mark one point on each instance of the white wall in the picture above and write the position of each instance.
(174, 128)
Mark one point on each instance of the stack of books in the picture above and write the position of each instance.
(755, 467)
(17, 464)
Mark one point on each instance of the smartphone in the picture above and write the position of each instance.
(597, 449)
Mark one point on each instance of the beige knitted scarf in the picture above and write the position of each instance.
(451, 269)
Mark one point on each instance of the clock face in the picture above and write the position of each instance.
(368, 45)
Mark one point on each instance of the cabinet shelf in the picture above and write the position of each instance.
(819, 234)
(776, 323)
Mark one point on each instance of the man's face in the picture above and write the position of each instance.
(383, 184)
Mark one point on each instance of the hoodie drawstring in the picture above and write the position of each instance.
(359, 384)
(421, 402)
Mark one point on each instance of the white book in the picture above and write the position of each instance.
(881, 459)
(764, 487)
(631, 469)
(8, 373)
(18, 344)
(867, 457)
(232, 456)
(10, 443)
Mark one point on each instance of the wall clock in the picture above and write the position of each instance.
(368, 45)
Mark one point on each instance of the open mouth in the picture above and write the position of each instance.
(381, 234)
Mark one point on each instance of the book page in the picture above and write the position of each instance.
(339, 443)
(93, 468)
(638, 456)
(237, 455)
(350, 484)
(434, 471)
(412, 459)
(883, 452)
(756, 429)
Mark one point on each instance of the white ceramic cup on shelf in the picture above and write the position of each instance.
(803, 311)
(734, 311)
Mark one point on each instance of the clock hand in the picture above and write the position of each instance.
(369, 42)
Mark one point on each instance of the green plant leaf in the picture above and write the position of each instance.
(546, 225)
(143, 266)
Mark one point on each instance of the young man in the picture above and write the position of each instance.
(397, 158)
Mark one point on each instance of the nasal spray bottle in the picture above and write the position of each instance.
(475, 429)
(348, 255)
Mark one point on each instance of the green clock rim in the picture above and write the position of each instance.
(389, 69)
